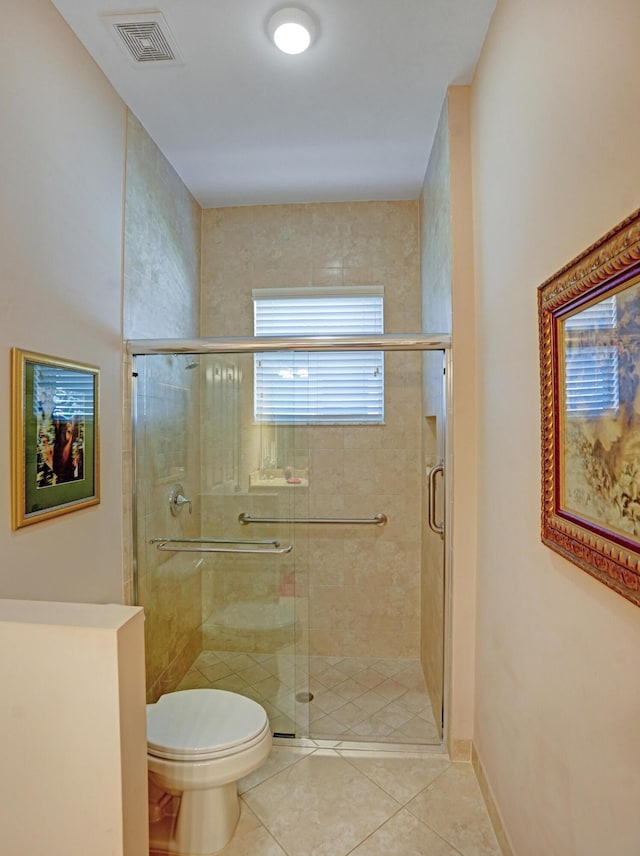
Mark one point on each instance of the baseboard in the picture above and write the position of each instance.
(460, 750)
(492, 808)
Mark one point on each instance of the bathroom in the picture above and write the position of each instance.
(162, 298)
(357, 588)
(352, 665)
(540, 654)
(167, 283)
(346, 664)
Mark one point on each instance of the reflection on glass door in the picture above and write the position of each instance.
(290, 560)
(219, 593)
(249, 615)
(365, 571)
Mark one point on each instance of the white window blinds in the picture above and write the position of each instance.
(591, 362)
(319, 387)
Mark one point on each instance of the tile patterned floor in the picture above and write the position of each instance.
(311, 801)
(371, 699)
(269, 679)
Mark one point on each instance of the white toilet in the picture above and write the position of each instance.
(199, 743)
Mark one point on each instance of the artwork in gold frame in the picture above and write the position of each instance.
(55, 437)
(589, 326)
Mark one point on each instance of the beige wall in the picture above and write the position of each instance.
(555, 160)
(74, 769)
(448, 307)
(363, 582)
(161, 299)
(62, 154)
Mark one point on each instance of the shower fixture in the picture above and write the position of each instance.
(190, 361)
(177, 500)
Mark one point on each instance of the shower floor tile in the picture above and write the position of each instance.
(353, 698)
(266, 678)
(384, 700)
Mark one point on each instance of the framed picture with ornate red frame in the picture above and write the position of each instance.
(589, 326)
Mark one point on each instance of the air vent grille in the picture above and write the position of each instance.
(145, 39)
(146, 42)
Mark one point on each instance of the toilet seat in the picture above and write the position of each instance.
(203, 724)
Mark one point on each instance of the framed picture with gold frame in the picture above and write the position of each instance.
(589, 326)
(55, 447)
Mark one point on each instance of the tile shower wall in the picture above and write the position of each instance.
(162, 245)
(162, 293)
(363, 583)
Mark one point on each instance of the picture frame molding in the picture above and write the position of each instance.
(607, 264)
(20, 488)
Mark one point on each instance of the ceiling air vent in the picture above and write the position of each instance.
(145, 39)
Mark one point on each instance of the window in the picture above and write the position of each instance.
(591, 362)
(319, 387)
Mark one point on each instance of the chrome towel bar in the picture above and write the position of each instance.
(378, 520)
(227, 545)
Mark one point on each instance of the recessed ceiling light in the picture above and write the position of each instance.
(292, 30)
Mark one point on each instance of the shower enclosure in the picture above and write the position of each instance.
(300, 564)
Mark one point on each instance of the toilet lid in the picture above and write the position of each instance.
(200, 723)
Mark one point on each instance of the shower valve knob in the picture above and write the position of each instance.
(177, 500)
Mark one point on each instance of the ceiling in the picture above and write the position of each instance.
(351, 119)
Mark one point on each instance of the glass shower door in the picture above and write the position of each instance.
(218, 570)
(252, 620)
(339, 637)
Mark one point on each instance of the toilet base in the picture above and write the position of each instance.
(202, 816)
(205, 823)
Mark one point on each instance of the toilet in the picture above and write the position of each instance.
(199, 744)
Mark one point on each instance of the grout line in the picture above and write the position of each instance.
(269, 832)
(277, 772)
(315, 747)
(373, 832)
(441, 837)
(349, 734)
(382, 787)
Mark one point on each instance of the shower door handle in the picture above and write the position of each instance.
(438, 528)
